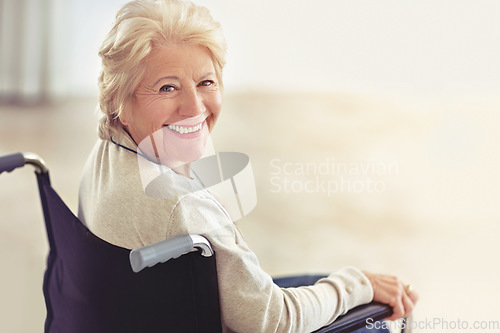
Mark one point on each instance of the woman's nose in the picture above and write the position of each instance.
(191, 104)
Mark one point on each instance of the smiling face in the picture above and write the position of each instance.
(179, 100)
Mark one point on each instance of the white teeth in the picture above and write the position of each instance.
(185, 130)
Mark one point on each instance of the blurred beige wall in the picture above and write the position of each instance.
(384, 47)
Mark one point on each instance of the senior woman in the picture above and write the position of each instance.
(162, 67)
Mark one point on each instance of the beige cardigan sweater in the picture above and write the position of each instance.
(114, 206)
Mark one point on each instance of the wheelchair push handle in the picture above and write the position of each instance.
(171, 248)
(11, 162)
(18, 160)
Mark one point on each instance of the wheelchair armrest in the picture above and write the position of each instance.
(165, 250)
(357, 318)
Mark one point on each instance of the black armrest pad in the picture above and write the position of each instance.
(356, 318)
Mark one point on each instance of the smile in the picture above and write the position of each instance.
(184, 129)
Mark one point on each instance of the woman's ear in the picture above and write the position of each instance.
(123, 120)
(124, 116)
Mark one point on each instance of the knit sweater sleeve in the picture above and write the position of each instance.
(250, 301)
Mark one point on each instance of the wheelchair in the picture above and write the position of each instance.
(91, 285)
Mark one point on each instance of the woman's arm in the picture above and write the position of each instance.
(250, 301)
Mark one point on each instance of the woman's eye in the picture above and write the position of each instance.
(207, 83)
(167, 88)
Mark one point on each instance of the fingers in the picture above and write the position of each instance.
(398, 309)
(397, 302)
(413, 296)
(390, 290)
(405, 300)
(408, 305)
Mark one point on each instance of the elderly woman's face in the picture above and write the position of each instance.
(179, 95)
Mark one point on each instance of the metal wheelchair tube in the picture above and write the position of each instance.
(36, 161)
(202, 244)
(13, 161)
(171, 248)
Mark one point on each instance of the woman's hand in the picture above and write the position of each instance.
(390, 290)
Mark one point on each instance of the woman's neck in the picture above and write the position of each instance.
(183, 169)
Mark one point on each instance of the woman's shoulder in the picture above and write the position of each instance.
(199, 212)
(113, 202)
(107, 168)
(120, 188)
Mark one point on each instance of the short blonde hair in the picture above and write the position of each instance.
(140, 25)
